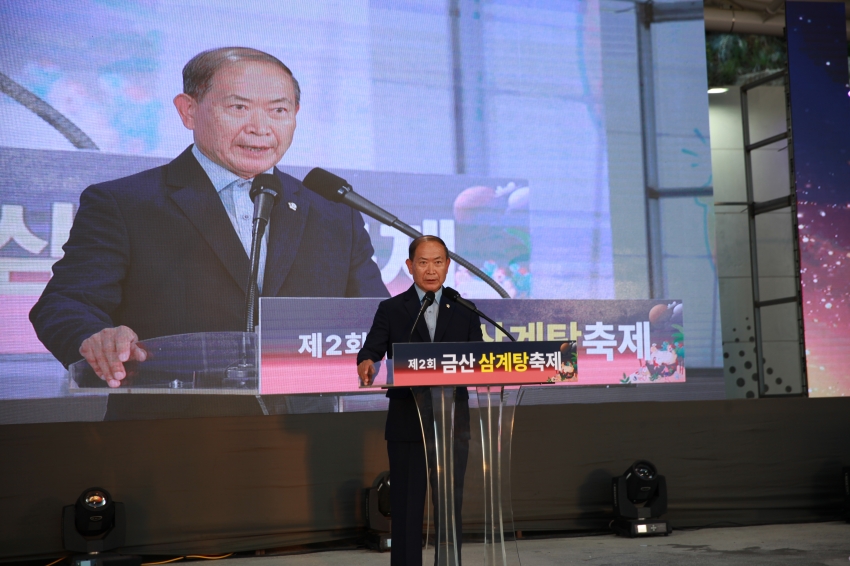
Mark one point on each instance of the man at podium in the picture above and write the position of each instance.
(166, 251)
(444, 321)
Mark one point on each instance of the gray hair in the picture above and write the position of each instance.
(199, 71)
(411, 249)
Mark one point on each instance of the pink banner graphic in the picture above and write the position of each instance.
(311, 345)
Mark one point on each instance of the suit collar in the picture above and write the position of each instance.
(194, 193)
(412, 304)
(444, 319)
(218, 175)
(287, 224)
(421, 294)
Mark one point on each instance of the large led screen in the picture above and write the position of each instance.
(515, 130)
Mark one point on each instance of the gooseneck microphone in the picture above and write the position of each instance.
(337, 189)
(427, 301)
(243, 374)
(455, 296)
(265, 192)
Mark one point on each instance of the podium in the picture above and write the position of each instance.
(201, 363)
(433, 371)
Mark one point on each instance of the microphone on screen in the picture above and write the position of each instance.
(265, 192)
(337, 189)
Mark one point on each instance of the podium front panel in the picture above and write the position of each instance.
(481, 363)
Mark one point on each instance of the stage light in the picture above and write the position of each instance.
(94, 513)
(94, 524)
(377, 499)
(717, 90)
(640, 498)
(641, 481)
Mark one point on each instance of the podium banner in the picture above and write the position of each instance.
(310, 345)
(483, 363)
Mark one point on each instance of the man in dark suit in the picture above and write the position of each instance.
(444, 321)
(165, 251)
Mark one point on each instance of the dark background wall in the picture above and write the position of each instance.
(243, 483)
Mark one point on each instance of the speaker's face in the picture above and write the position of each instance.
(429, 266)
(245, 122)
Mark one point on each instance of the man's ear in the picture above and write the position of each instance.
(409, 266)
(186, 107)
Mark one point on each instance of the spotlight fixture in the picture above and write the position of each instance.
(94, 524)
(377, 500)
(640, 498)
(94, 513)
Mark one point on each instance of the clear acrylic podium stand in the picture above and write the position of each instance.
(496, 407)
(495, 371)
(204, 362)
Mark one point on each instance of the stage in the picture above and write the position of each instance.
(826, 544)
(239, 484)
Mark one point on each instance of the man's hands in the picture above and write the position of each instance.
(366, 372)
(107, 351)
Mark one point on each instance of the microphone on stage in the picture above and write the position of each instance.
(455, 296)
(427, 301)
(265, 192)
(337, 189)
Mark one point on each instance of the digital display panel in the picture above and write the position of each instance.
(515, 135)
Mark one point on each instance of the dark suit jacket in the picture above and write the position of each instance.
(157, 252)
(392, 324)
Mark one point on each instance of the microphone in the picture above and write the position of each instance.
(455, 296)
(337, 189)
(427, 301)
(265, 192)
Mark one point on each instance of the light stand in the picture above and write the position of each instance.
(95, 524)
(640, 498)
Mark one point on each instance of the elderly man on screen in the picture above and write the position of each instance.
(444, 321)
(165, 251)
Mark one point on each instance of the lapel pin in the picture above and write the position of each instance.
(447, 306)
(293, 206)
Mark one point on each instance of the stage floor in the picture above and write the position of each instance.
(822, 544)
